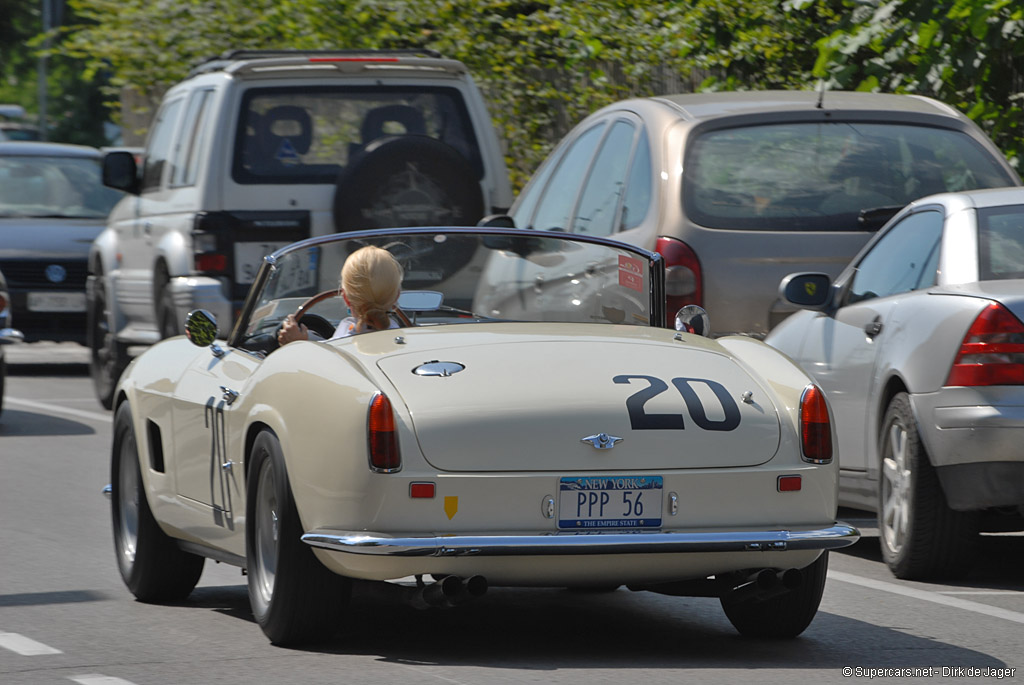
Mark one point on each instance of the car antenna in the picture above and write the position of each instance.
(821, 93)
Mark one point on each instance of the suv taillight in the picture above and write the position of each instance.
(683, 278)
(992, 352)
(815, 426)
(208, 255)
(381, 436)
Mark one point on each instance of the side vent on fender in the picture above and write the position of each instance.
(156, 446)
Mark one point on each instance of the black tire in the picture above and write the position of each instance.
(3, 380)
(408, 180)
(294, 598)
(166, 319)
(920, 536)
(152, 565)
(783, 616)
(107, 357)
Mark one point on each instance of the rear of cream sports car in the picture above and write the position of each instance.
(467, 451)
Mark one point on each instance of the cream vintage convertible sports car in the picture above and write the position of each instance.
(530, 422)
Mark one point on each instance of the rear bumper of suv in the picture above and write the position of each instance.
(202, 292)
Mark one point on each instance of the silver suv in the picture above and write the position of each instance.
(255, 150)
(738, 189)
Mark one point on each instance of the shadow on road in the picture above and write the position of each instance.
(26, 423)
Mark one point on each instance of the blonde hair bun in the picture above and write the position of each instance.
(372, 281)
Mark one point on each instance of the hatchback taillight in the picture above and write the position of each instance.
(815, 426)
(684, 282)
(381, 436)
(992, 351)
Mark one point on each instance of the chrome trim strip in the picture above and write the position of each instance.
(833, 537)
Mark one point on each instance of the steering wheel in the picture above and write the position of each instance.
(315, 322)
(322, 326)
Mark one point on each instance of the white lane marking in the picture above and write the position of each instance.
(981, 592)
(26, 646)
(56, 408)
(927, 596)
(99, 679)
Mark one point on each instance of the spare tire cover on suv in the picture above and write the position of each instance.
(409, 180)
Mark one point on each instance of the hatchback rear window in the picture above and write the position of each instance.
(821, 176)
(309, 134)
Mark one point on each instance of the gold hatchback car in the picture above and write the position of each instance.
(736, 190)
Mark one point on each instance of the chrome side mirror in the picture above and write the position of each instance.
(693, 319)
(9, 336)
(806, 290)
(201, 327)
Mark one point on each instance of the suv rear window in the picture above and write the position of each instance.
(819, 176)
(309, 134)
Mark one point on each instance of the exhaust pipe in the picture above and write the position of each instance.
(448, 591)
(469, 589)
(766, 584)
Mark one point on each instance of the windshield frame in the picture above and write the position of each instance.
(656, 291)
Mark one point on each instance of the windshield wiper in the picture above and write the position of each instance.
(873, 218)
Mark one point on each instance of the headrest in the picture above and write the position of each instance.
(409, 118)
(287, 122)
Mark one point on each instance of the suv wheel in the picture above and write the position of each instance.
(166, 318)
(107, 357)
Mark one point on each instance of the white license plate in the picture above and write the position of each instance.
(249, 257)
(592, 502)
(56, 302)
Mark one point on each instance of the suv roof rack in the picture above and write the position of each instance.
(218, 62)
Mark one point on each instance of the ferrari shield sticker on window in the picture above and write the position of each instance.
(631, 273)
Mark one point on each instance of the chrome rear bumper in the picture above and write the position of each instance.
(833, 537)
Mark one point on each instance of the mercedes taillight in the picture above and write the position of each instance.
(992, 351)
(684, 282)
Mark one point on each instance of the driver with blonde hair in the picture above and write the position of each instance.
(371, 281)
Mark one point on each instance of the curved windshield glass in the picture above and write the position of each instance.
(481, 277)
(63, 187)
(822, 176)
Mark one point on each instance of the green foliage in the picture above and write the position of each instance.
(545, 64)
(966, 53)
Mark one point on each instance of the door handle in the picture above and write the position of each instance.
(874, 328)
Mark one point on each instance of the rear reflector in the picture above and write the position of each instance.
(815, 427)
(383, 443)
(421, 490)
(789, 483)
(992, 351)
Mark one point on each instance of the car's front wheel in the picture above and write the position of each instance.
(785, 615)
(920, 536)
(152, 565)
(107, 357)
(294, 597)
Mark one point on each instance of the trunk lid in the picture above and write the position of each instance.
(530, 405)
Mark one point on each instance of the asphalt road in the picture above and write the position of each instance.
(65, 616)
